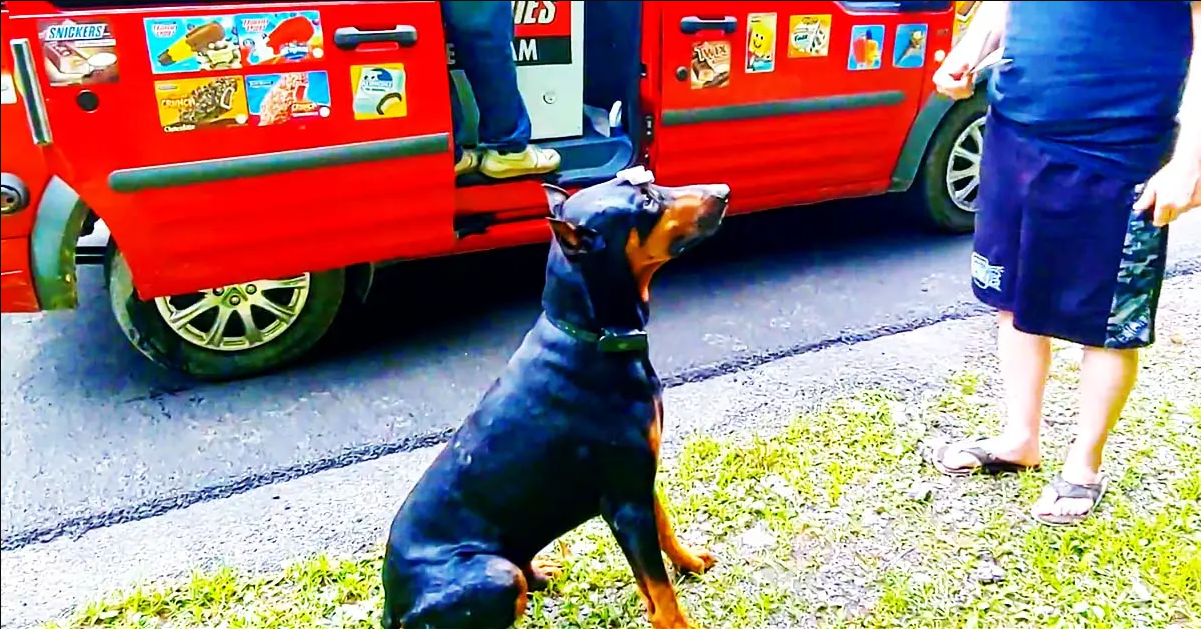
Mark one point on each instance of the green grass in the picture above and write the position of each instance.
(837, 522)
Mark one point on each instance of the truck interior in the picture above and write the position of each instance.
(586, 110)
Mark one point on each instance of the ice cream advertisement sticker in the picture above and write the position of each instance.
(78, 51)
(710, 65)
(379, 91)
(808, 36)
(291, 96)
(867, 44)
(909, 50)
(271, 38)
(190, 104)
(760, 42)
(964, 12)
(192, 44)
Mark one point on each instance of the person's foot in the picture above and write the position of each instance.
(532, 161)
(1070, 498)
(468, 163)
(996, 455)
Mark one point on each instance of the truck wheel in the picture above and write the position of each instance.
(949, 180)
(230, 332)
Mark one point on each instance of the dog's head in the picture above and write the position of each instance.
(618, 233)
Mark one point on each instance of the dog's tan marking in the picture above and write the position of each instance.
(680, 555)
(664, 610)
(523, 596)
(646, 255)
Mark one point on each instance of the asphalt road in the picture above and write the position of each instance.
(93, 434)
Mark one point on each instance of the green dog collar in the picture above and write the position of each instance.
(609, 341)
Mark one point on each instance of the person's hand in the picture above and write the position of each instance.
(954, 78)
(1174, 190)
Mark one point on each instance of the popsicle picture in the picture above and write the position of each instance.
(192, 44)
(866, 47)
(282, 37)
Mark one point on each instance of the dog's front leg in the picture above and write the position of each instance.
(681, 556)
(635, 526)
(539, 572)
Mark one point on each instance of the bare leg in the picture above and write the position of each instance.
(1025, 361)
(1106, 378)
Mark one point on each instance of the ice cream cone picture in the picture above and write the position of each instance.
(909, 50)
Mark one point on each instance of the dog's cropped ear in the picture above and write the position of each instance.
(555, 198)
(575, 240)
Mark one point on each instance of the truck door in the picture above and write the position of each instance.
(790, 102)
(24, 177)
(225, 142)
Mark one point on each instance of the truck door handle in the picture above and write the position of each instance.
(693, 24)
(349, 37)
(31, 91)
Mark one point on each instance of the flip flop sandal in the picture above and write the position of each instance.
(1065, 490)
(986, 462)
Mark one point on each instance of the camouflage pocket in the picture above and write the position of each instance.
(1140, 274)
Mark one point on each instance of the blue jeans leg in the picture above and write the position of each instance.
(482, 35)
(456, 119)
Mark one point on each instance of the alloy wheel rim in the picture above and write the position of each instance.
(237, 317)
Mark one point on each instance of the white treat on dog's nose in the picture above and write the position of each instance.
(638, 175)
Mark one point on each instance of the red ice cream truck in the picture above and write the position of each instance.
(253, 162)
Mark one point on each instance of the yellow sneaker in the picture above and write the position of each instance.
(531, 161)
(468, 163)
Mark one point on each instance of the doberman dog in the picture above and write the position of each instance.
(569, 431)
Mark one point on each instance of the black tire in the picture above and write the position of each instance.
(145, 328)
(930, 199)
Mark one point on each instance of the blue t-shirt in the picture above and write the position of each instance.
(1098, 82)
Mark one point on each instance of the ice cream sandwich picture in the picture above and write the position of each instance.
(390, 105)
(78, 52)
(379, 91)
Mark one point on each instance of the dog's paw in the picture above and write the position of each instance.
(541, 572)
(699, 563)
(679, 621)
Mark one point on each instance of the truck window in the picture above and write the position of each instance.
(897, 5)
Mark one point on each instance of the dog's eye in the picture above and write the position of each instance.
(650, 202)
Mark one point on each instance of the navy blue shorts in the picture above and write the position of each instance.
(1060, 246)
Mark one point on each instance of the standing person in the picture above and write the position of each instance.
(482, 35)
(1067, 247)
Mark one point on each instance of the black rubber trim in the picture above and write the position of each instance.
(692, 24)
(350, 38)
(224, 169)
(731, 113)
